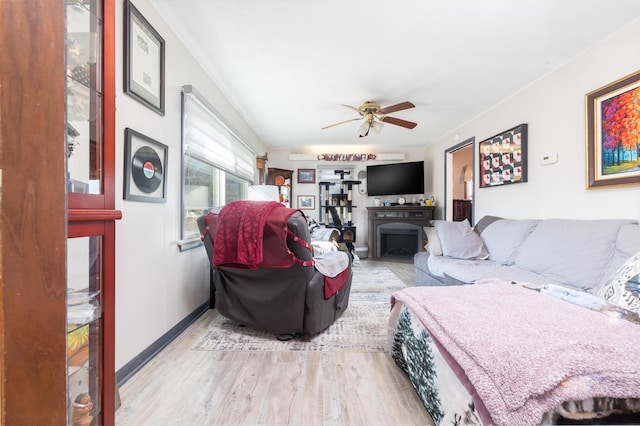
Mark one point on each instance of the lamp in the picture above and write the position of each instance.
(467, 173)
(467, 179)
(263, 193)
(370, 123)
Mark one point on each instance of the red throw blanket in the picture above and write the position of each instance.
(525, 352)
(240, 233)
(332, 285)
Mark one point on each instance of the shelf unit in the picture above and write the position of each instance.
(337, 207)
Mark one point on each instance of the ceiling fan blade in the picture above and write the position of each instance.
(399, 122)
(342, 122)
(352, 107)
(397, 107)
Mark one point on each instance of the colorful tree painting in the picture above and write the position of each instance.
(620, 132)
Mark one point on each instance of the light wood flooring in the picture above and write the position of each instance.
(184, 387)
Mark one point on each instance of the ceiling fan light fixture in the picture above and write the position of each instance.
(364, 129)
(374, 116)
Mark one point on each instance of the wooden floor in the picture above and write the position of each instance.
(184, 387)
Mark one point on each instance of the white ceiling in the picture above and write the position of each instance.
(287, 65)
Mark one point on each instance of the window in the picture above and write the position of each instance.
(217, 166)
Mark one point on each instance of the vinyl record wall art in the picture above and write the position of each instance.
(145, 168)
(503, 158)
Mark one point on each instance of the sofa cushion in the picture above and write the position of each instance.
(627, 244)
(433, 246)
(459, 240)
(423, 274)
(440, 265)
(503, 238)
(618, 289)
(458, 271)
(569, 251)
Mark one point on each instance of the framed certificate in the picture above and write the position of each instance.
(143, 60)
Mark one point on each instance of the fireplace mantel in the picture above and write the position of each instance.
(416, 215)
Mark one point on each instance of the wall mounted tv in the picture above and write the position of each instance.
(396, 179)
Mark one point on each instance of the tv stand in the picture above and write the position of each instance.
(404, 216)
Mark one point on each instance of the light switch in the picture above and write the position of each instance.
(550, 158)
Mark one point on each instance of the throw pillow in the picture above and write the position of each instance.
(484, 222)
(433, 246)
(458, 240)
(621, 289)
(313, 225)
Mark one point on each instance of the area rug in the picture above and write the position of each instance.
(361, 328)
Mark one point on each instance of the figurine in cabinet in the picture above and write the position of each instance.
(80, 415)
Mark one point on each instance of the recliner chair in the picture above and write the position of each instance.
(282, 300)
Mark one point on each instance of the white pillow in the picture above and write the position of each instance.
(459, 240)
(617, 289)
(433, 246)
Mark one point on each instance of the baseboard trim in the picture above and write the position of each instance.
(133, 366)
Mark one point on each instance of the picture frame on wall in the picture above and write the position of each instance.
(144, 60)
(613, 129)
(307, 202)
(503, 158)
(145, 168)
(306, 175)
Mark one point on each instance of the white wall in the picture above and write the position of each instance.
(157, 285)
(280, 159)
(554, 108)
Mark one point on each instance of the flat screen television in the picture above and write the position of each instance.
(396, 179)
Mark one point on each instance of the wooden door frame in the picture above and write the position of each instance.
(448, 173)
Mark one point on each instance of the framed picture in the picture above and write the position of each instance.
(613, 141)
(503, 158)
(143, 60)
(306, 175)
(307, 202)
(145, 168)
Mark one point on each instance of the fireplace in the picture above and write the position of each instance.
(395, 232)
(398, 240)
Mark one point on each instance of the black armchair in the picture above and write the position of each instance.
(282, 298)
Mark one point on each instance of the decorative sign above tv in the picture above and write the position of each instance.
(503, 158)
(396, 179)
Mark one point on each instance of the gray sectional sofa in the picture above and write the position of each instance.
(581, 254)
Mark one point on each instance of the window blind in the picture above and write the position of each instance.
(208, 138)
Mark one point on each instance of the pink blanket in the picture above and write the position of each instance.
(525, 352)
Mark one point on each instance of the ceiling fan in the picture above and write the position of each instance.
(374, 116)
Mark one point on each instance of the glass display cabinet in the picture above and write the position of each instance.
(58, 210)
(84, 96)
(84, 326)
(90, 140)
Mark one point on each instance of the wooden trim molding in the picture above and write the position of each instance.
(92, 215)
